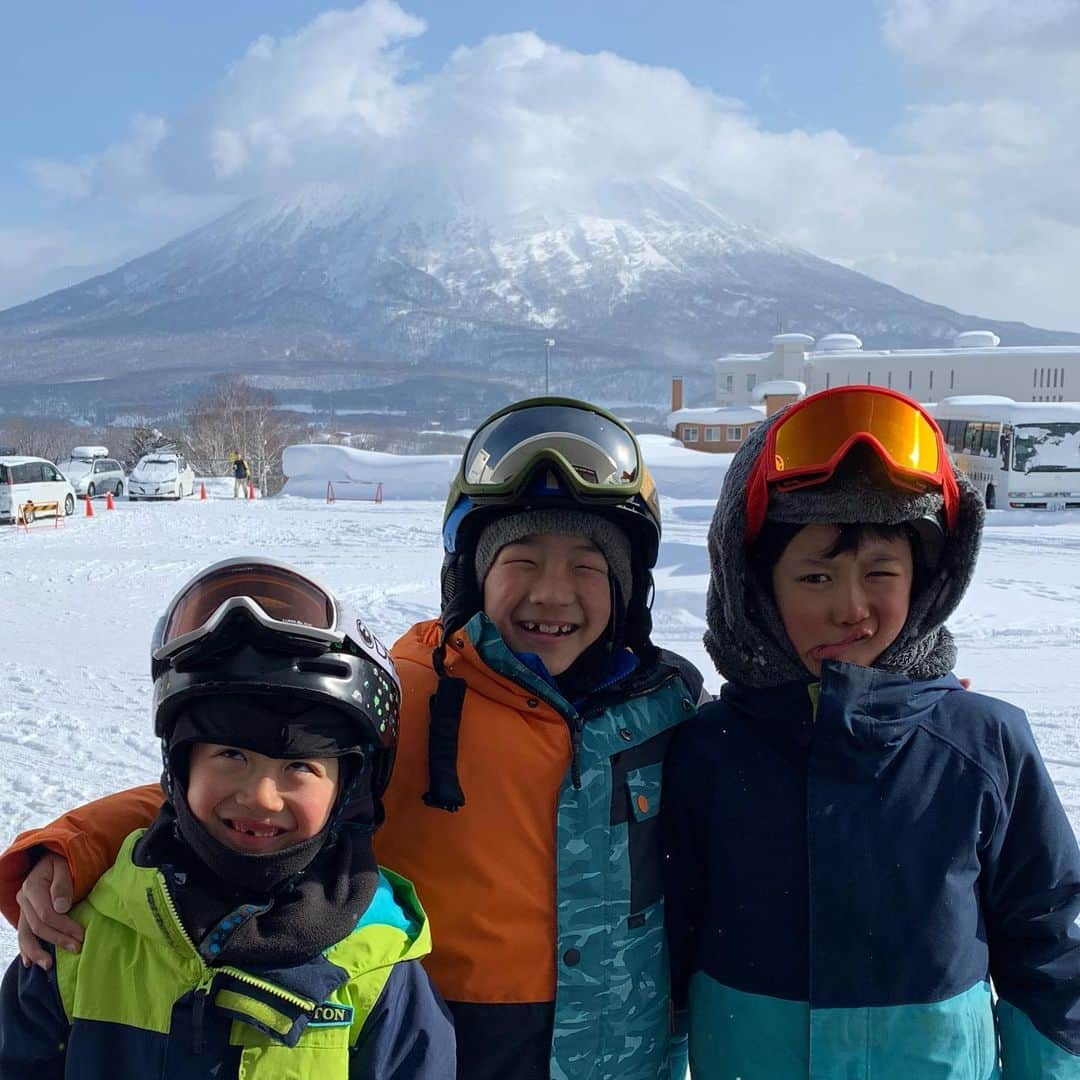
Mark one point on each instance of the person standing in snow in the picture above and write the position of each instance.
(249, 931)
(870, 872)
(241, 475)
(526, 795)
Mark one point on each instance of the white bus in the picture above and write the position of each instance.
(1017, 454)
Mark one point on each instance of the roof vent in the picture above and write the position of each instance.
(977, 339)
(839, 343)
(804, 341)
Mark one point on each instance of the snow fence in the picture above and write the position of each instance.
(355, 474)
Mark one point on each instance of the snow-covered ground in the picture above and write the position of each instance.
(79, 604)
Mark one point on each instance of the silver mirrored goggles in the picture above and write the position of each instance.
(596, 455)
(275, 596)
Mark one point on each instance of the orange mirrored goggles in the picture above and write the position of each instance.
(278, 596)
(813, 437)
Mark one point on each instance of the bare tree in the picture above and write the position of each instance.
(235, 418)
(37, 436)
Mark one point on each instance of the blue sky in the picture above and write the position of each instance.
(900, 137)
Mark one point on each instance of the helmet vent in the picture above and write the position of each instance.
(335, 669)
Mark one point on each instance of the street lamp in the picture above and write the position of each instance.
(549, 344)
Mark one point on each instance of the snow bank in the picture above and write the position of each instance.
(217, 487)
(356, 473)
(679, 473)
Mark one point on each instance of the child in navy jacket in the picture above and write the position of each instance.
(869, 874)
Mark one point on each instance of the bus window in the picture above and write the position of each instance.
(1006, 446)
(990, 440)
(972, 437)
(956, 435)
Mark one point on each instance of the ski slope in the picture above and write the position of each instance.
(79, 604)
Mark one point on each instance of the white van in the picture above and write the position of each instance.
(32, 480)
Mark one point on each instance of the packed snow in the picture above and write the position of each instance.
(81, 601)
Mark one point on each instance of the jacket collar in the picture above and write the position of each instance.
(394, 928)
(861, 712)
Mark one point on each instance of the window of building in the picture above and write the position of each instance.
(889, 383)
(734, 434)
(828, 379)
(1042, 377)
(931, 380)
(1062, 377)
(1034, 378)
(952, 379)
(689, 434)
(729, 382)
(869, 381)
(910, 379)
(751, 381)
(1054, 375)
(712, 434)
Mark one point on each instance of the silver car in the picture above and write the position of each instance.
(94, 476)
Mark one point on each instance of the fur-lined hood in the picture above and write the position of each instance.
(746, 637)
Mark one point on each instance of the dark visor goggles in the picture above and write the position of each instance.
(806, 445)
(595, 454)
(273, 595)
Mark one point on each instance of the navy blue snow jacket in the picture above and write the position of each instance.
(848, 877)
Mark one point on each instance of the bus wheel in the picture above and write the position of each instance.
(991, 497)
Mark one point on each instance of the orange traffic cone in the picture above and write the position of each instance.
(89, 507)
(109, 504)
(202, 490)
(251, 489)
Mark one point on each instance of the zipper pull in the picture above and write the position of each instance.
(202, 995)
(576, 728)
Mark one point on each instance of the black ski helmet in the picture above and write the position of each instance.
(545, 453)
(550, 453)
(255, 629)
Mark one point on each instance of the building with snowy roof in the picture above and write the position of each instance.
(722, 429)
(975, 363)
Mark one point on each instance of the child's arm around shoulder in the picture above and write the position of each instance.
(88, 838)
(1031, 888)
(409, 1034)
(33, 1025)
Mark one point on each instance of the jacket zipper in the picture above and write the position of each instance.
(208, 975)
(576, 723)
(202, 995)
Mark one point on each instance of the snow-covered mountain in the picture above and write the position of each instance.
(412, 292)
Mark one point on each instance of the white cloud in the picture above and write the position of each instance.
(976, 207)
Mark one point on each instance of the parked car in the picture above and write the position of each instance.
(32, 480)
(92, 472)
(161, 475)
